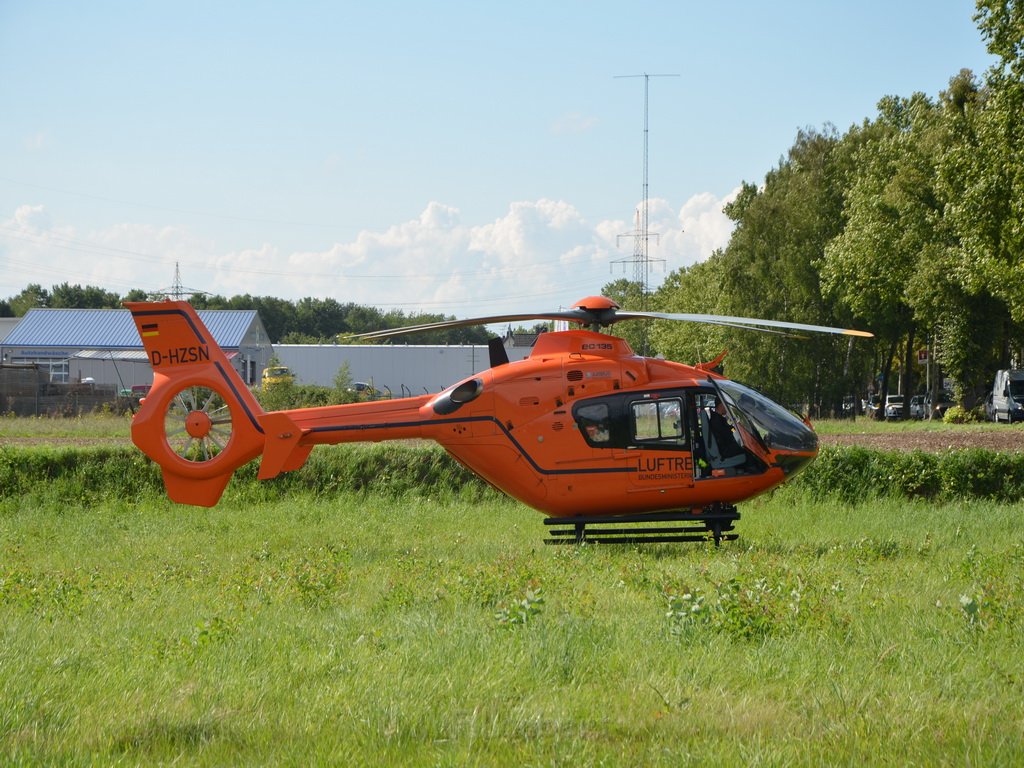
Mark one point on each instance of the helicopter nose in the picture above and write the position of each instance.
(802, 450)
(793, 463)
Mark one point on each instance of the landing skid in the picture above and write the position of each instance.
(713, 523)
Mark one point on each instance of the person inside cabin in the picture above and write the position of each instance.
(595, 423)
(721, 447)
(597, 432)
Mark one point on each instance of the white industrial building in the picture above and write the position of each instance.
(102, 346)
(398, 370)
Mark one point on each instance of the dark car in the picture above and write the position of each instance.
(942, 404)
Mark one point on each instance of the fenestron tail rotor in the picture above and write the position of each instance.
(198, 424)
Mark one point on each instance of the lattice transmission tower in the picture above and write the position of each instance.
(641, 235)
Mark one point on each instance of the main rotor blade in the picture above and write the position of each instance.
(572, 315)
(750, 323)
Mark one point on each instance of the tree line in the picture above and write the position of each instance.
(909, 225)
(306, 321)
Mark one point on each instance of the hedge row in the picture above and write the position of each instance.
(851, 474)
(90, 475)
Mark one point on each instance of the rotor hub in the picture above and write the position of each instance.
(198, 424)
(594, 303)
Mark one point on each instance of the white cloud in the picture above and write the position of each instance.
(540, 254)
(677, 238)
(29, 219)
(701, 216)
(573, 124)
(35, 142)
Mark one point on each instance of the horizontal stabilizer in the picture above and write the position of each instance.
(281, 452)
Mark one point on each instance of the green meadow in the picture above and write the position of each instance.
(427, 624)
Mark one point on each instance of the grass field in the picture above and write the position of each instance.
(94, 426)
(369, 631)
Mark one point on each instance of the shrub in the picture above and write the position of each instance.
(957, 414)
(286, 394)
(852, 474)
(849, 474)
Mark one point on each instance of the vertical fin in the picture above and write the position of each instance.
(199, 422)
(496, 351)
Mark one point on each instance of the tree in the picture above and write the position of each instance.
(984, 174)
(626, 293)
(694, 289)
(34, 295)
(892, 214)
(1001, 23)
(769, 270)
(79, 297)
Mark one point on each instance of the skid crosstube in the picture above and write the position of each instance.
(713, 522)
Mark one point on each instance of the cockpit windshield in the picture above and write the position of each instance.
(777, 427)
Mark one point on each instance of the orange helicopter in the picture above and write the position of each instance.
(583, 429)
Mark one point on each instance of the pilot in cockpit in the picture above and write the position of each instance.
(721, 446)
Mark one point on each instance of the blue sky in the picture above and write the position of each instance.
(457, 157)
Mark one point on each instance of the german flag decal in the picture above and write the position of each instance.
(148, 330)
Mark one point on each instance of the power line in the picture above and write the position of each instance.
(168, 209)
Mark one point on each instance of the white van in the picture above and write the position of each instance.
(1008, 396)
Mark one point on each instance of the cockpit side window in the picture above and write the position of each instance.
(594, 422)
(658, 422)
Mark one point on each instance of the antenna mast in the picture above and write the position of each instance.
(641, 257)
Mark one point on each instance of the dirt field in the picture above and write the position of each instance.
(990, 437)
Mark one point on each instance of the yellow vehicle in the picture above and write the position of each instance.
(277, 374)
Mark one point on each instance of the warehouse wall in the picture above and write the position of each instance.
(403, 369)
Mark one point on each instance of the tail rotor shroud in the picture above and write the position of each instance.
(199, 422)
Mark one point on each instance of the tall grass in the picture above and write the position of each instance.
(92, 426)
(394, 629)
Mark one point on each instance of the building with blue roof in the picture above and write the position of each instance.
(103, 344)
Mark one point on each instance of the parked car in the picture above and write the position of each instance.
(942, 404)
(893, 407)
(364, 391)
(849, 409)
(1008, 396)
(277, 374)
(917, 410)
